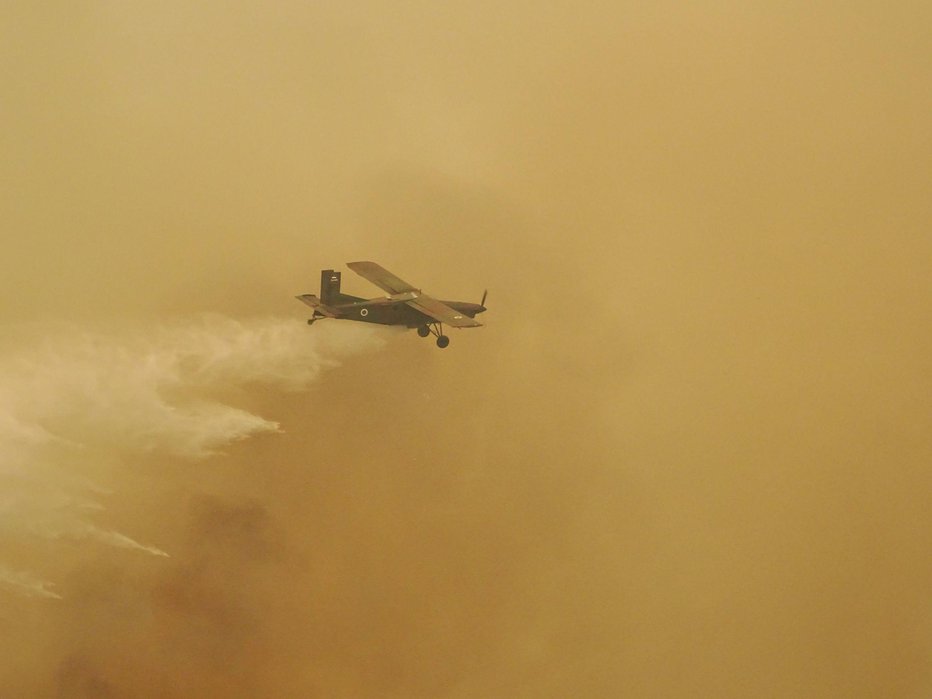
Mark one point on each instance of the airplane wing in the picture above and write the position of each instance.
(427, 305)
(441, 312)
(381, 277)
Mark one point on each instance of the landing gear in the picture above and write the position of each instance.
(435, 329)
(311, 321)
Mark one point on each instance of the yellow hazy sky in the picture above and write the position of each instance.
(687, 456)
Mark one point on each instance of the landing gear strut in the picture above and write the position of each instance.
(435, 329)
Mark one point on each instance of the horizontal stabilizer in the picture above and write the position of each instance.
(314, 302)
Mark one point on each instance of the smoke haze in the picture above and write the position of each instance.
(687, 455)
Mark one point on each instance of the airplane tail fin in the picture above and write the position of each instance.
(329, 286)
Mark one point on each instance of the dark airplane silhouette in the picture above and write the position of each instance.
(405, 304)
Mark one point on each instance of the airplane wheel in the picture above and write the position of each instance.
(311, 321)
(443, 341)
(423, 331)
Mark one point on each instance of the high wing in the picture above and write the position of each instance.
(405, 292)
(381, 277)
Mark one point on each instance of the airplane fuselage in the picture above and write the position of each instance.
(365, 311)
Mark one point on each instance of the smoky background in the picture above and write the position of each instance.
(688, 454)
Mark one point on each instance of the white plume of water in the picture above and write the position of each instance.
(70, 397)
(26, 584)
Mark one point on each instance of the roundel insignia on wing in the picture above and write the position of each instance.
(364, 312)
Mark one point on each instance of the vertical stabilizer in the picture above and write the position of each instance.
(329, 286)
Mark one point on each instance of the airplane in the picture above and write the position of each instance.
(405, 304)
